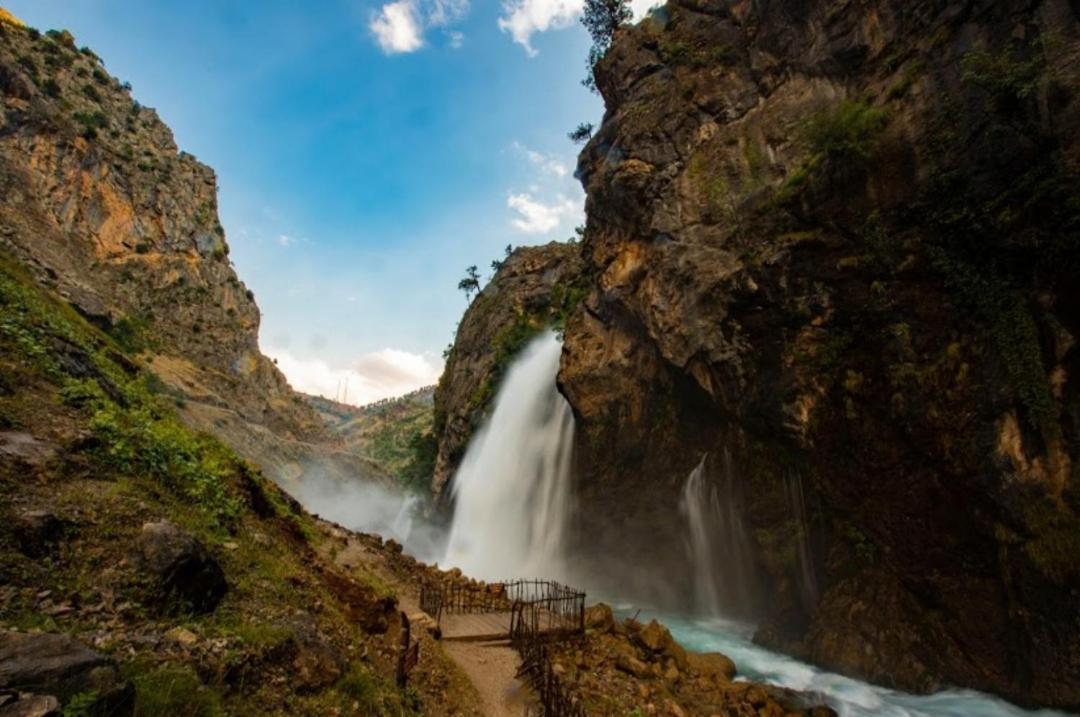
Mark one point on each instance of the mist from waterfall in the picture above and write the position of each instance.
(512, 491)
(724, 577)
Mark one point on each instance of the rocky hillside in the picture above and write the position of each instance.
(103, 208)
(145, 569)
(534, 288)
(394, 433)
(832, 249)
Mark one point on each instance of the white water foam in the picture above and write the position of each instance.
(512, 491)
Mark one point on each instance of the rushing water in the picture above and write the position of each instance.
(511, 511)
(849, 697)
(511, 493)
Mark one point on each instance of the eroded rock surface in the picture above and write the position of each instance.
(834, 249)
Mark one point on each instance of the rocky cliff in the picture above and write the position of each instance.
(836, 247)
(100, 204)
(534, 288)
(831, 256)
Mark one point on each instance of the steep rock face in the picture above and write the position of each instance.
(97, 201)
(533, 288)
(834, 249)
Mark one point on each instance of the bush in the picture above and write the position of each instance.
(63, 37)
(145, 442)
(848, 130)
(91, 93)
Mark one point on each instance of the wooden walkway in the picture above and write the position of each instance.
(477, 627)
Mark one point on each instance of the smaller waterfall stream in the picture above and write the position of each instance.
(725, 582)
(512, 490)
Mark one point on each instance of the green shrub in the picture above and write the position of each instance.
(82, 393)
(1011, 74)
(81, 704)
(363, 693)
(91, 93)
(131, 333)
(849, 130)
(146, 442)
(91, 122)
(63, 37)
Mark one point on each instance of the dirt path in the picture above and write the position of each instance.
(493, 670)
(490, 667)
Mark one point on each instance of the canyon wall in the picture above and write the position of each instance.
(97, 201)
(832, 250)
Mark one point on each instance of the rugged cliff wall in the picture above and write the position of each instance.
(98, 202)
(835, 249)
(533, 289)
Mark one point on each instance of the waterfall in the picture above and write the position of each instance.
(512, 492)
(724, 577)
(808, 588)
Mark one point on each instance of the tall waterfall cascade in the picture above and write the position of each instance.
(512, 491)
(724, 578)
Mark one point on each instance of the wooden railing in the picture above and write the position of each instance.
(541, 612)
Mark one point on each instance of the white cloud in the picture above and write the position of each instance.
(376, 375)
(536, 217)
(457, 39)
(285, 240)
(545, 162)
(397, 28)
(524, 17)
(443, 12)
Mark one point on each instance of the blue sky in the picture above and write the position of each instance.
(367, 152)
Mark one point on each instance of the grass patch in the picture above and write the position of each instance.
(172, 690)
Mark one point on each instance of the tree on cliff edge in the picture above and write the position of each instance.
(471, 283)
(602, 18)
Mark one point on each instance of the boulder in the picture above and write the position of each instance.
(316, 664)
(22, 704)
(60, 665)
(185, 573)
(712, 665)
(599, 617)
(37, 532)
(657, 639)
(632, 666)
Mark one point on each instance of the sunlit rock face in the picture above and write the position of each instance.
(98, 203)
(838, 241)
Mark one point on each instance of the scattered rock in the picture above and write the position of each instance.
(632, 666)
(25, 448)
(63, 666)
(182, 636)
(22, 704)
(187, 575)
(600, 617)
(713, 665)
(657, 639)
(37, 532)
(316, 664)
(823, 711)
